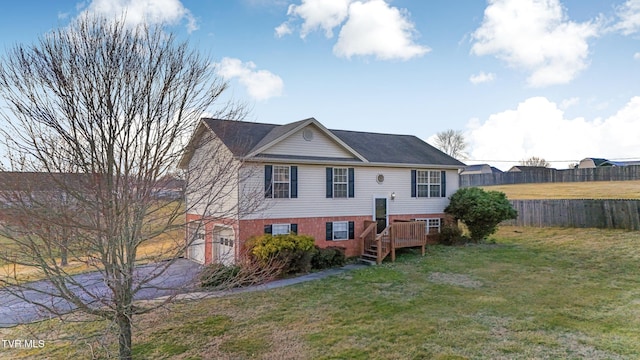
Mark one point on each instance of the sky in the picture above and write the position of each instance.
(559, 80)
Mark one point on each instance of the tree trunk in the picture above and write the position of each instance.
(63, 254)
(124, 336)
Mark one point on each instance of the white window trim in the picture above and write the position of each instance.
(274, 182)
(333, 230)
(429, 184)
(345, 183)
(428, 226)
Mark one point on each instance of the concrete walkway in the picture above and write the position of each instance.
(197, 295)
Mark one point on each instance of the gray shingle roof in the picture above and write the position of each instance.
(243, 137)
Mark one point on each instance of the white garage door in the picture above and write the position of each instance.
(196, 249)
(224, 245)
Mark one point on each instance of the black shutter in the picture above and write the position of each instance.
(443, 183)
(413, 183)
(329, 231)
(294, 182)
(352, 230)
(294, 229)
(268, 229)
(351, 183)
(268, 173)
(329, 182)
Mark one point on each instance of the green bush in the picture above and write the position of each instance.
(218, 275)
(294, 251)
(450, 234)
(481, 211)
(324, 258)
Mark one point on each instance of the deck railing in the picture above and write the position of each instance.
(395, 236)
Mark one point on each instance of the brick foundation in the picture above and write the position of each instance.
(315, 227)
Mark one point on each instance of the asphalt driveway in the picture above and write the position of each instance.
(179, 277)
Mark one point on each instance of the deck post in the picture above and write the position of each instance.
(392, 238)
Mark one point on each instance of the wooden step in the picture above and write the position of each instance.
(366, 261)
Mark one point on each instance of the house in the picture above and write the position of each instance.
(524, 168)
(479, 169)
(310, 180)
(168, 187)
(600, 162)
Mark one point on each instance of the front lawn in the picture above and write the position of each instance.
(535, 293)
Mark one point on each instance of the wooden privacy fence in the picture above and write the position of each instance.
(579, 213)
(548, 175)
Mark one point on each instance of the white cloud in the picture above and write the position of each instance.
(535, 35)
(567, 103)
(375, 28)
(260, 84)
(320, 14)
(629, 17)
(538, 127)
(636, 56)
(482, 77)
(144, 11)
(367, 28)
(283, 29)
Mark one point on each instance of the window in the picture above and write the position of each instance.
(432, 225)
(281, 229)
(280, 181)
(340, 230)
(340, 183)
(428, 183)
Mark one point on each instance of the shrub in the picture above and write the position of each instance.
(481, 211)
(293, 251)
(248, 272)
(450, 234)
(218, 275)
(324, 258)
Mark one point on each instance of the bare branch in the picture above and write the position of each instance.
(97, 116)
(452, 143)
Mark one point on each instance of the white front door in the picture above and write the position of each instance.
(380, 213)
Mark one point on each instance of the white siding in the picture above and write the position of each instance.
(212, 187)
(312, 201)
(319, 145)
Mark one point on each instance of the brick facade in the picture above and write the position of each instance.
(315, 227)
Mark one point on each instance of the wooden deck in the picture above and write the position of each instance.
(376, 247)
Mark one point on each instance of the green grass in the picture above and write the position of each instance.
(571, 190)
(534, 293)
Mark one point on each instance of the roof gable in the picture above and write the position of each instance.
(313, 142)
(281, 133)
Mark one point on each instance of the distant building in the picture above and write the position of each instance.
(523, 168)
(588, 163)
(480, 169)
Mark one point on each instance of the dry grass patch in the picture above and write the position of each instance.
(572, 190)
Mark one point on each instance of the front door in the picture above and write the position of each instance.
(380, 213)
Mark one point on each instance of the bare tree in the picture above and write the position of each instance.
(100, 112)
(534, 161)
(452, 143)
